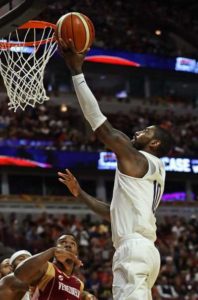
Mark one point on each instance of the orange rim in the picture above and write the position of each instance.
(31, 24)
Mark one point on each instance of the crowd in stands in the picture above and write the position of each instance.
(113, 20)
(132, 25)
(177, 242)
(67, 130)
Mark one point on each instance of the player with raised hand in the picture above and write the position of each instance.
(54, 281)
(99, 207)
(138, 187)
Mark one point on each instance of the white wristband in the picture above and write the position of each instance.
(88, 102)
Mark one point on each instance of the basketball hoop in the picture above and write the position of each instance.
(23, 58)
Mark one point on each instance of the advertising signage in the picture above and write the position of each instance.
(131, 59)
(107, 161)
(57, 159)
(139, 60)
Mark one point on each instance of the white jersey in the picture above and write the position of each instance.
(135, 201)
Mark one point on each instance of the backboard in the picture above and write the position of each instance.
(14, 13)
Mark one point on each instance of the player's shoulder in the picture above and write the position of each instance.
(76, 278)
(47, 277)
(152, 158)
(50, 269)
(79, 281)
(149, 155)
(156, 166)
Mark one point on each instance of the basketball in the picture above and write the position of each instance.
(77, 27)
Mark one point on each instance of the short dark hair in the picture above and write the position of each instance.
(166, 140)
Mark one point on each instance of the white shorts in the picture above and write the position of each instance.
(136, 265)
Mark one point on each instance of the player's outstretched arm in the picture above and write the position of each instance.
(111, 137)
(128, 157)
(99, 207)
(34, 268)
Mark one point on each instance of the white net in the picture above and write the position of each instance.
(22, 67)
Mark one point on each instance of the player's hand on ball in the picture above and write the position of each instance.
(73, 60)
(70, 181)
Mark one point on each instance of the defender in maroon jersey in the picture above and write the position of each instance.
(54, 281)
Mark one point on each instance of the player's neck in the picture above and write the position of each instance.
(67, 268)
(149, 150)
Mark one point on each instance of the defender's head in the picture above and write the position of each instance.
(153, 139)
(18, 257)
(68, 242)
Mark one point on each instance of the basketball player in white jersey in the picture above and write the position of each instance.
(138, 187)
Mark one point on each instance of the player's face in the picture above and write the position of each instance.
(68, 243)
(143, 137)
(19, 259)
(5, 268)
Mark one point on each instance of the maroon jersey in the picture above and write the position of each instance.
(55, 285)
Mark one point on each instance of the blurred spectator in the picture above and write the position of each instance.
(147, 27)
(50, 128)
(166, 290)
